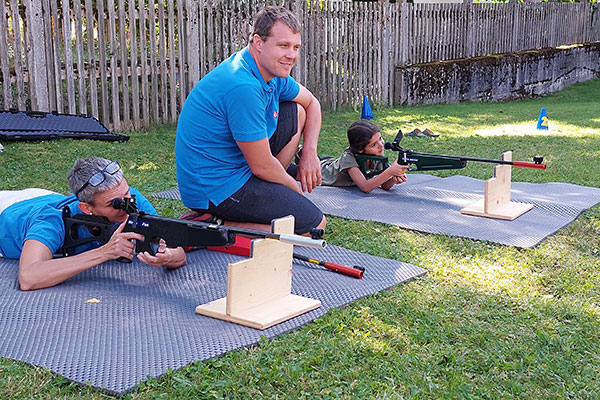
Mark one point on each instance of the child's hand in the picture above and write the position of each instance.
(398, 172)
(398, 169)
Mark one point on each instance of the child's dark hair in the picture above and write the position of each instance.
(359, 135)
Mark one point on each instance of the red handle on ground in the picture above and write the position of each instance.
(342, 269)
(356, 272)
(528, 164)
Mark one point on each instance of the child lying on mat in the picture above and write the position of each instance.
(363, 138)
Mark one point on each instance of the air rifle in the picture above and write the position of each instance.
(430, 162)
(175, 232)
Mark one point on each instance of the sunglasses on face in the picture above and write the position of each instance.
(99, 177)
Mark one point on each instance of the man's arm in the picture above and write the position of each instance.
(309, 167)
(264, 165)
(37, 268)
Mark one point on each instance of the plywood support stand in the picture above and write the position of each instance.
(259, 289)
(496, 200)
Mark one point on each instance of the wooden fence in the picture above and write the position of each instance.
(131, 63)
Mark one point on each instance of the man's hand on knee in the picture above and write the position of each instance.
(309, 171)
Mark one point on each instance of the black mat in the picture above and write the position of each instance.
(36, 125)
(145, 321)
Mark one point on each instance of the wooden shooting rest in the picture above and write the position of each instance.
(259, 288)
(496, 200)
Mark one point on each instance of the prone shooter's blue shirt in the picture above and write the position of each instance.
(231, 103)
(40, 218)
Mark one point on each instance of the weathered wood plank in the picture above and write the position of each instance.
(90, 29)
(183, 11)
(49, 54)
(143, 53)
(162, 54)
(114, 77)
(133, 61)
(154, 72)
(102, 45)
(81, 68)
(172, 63)
(7, 99)
(70, 78)
(124, 70)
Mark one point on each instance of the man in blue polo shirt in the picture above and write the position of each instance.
(240, 127)
(32, 228)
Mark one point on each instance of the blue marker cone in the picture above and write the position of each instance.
(542, 120)
(367, 113)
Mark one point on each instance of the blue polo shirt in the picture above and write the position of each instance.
(231, 103)
(40, 218)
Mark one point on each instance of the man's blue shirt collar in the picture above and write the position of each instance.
(249, 60)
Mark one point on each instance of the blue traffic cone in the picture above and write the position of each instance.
(367, 113)
(542, 120)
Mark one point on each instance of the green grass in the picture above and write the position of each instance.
(486, 322)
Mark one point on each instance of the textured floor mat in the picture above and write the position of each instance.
(431, 204)
(36, 125)
(145, 320)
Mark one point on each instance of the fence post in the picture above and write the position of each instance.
(387, 80)
(193, 55)
(404, 40)
(38, 78)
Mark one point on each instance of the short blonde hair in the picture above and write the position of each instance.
(266, 18)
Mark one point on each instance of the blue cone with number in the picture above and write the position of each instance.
(367, 113)
(542, 120)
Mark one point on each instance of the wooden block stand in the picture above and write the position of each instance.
(259, 289)
(496, 200)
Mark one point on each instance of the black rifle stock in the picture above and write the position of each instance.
(175, 232)
(429, 161)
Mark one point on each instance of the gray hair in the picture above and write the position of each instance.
(82, 171)
(266, 18)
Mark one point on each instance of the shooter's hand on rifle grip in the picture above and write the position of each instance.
(398, 169)
(120, 245)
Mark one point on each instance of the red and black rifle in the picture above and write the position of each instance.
(373, 165)
(175, 232)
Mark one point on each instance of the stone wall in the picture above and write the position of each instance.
(495, 78)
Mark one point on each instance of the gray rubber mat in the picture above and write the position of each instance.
(434, 205)
(145, 320)
(430, 204)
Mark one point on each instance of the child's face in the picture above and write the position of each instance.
(375, 145)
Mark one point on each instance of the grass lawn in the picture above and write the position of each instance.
(487, 321)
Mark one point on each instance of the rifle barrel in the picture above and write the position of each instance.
(522, 164)
(299, 240)
(285, 238)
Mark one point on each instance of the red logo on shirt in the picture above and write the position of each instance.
(275, 114)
